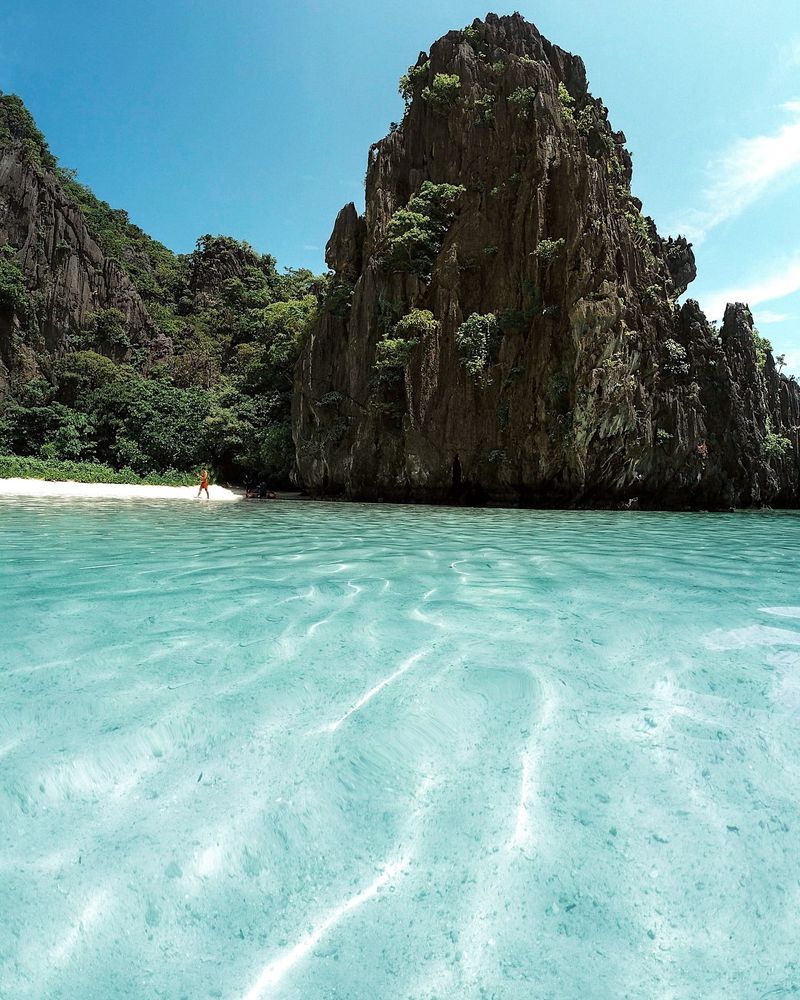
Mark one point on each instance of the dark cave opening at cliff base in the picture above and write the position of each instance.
(456, 476)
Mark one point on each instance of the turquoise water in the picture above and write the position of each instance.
(312, 751)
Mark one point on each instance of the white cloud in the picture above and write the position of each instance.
(766, 316)
(743, 174)
(792, 362)
(790, 53)
(783, 281)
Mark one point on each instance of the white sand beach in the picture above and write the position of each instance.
(112, 491)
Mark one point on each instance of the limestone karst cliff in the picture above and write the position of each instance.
(115, 350)
(44, 235)
(503, 323)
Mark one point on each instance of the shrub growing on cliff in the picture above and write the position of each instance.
(477, 339)
(547, 250)
(763, 348)
(484, 110)
(586, 121)
(641, 232)
(393, 352)
(675, 358)
(567, 102)
(442, 92)
(410, 80)
(105, 330)
(14, 296)
(332, 398)
(774, 445)
(17, 126)
(523, 99)
(416, 324)
(338, 297)
(392, 355)
(415, 233)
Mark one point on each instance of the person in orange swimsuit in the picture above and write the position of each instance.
(203, 483)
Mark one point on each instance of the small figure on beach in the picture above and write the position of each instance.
(203, 483)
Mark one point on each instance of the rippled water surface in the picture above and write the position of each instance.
(382, 753)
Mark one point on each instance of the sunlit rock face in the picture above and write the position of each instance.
(590, 385)
(72, 277)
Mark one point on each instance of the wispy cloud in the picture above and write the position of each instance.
(743, 173)
(766, 316)
(783, 280)
(789, 54)
(792, 359)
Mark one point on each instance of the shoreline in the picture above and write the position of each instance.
(111, 491)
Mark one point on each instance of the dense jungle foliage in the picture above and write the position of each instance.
(221, 394)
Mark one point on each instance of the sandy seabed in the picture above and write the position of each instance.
(115, 491)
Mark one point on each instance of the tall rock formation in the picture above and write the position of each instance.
(502, 322)
(68, 278)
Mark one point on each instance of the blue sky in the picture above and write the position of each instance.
(254, 117)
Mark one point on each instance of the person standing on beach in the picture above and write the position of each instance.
(203, 483)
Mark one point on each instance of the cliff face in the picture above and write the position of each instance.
(69, 278)
(505, 326)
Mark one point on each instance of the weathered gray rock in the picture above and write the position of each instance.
(68, 272)
(600, 389)
(218, 260)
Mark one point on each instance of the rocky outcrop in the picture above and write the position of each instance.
(217, 260)
(512, 333)
(69, 277)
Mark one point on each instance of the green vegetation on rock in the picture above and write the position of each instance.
(392, 355)
(394, 350)
(221, 397)
(675, 362)
(763, 347)
(338, 297)
(641, 229)
(484, 110)
(17, 126)
(411, 79)
(105, 331)
(415, 233)
(442, 93)
(416, 324)
(547, 250)
(477, 339)
(567, 102)
(159, 275)
(775, 445)
(14, 295)
(523, 99)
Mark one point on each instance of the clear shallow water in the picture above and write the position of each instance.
(313, 751)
